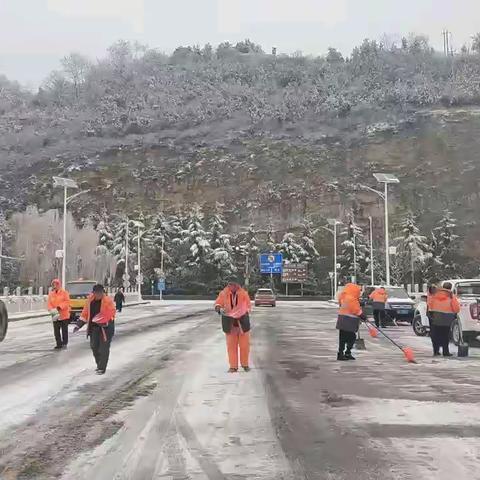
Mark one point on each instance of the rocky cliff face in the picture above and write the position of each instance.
(279, 175)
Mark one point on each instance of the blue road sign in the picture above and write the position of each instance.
(271, 263)
(161, 285)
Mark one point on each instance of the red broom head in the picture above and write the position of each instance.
(409, 356)
(373, 332)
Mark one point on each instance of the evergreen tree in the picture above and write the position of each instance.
(104, 256)
(292, 251)
(197, 239)
(446, 248)
(221, 255)
(413, 247)
(246, 255)
(307, 242)
(354, 251)
(270, 240)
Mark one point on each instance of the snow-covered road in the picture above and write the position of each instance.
(167, 409)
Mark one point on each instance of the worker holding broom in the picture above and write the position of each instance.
(349, 315)
(442, 310)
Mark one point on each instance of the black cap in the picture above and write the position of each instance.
(98, 288)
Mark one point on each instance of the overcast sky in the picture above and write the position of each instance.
(35, 34)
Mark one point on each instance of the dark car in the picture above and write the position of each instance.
(265, 297)
(399, 306)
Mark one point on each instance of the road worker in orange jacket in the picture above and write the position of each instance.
(59, 307)
(442, 309)
(379, 298)
(349, 315)
(234, 304)
(99, 315)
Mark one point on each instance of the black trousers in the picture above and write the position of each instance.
(346, 339)
(100, 340)
(60, 330)
(440, 337)
(379, 316)
(119, 306)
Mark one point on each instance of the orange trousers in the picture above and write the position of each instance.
(234, 342)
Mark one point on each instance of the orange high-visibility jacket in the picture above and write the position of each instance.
(350, 309)
(224, 301)
(350, 301)
(60, 300)
(107, 310)
(379, 295)
(443, 307)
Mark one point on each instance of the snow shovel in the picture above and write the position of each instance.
(360, 342)
(407, 351)
(462, 347)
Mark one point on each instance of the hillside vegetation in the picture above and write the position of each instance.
(276, 139)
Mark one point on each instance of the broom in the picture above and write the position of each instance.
(407, 351)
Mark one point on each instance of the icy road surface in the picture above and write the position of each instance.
(167, 409)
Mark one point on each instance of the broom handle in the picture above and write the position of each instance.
(385, 335)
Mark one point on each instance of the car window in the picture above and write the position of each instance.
(264, 290)
(468, 288)
(397, 293)
(80, 288)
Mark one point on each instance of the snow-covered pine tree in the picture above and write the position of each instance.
(446, 247)
(105, 235)
(354, 253)
(270, 240)
(221, 255)
(307, 241)
(197, 239)
(291, 250)
(104, 252)
(10, 268)
(413, 247)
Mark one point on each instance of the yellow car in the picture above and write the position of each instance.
(79, 290)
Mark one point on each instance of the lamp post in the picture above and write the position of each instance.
(385, 178)
(66, 183)
(372, 275)
(333, 222)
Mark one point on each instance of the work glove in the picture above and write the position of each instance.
(363, 317)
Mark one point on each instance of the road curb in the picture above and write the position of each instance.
(18, 317)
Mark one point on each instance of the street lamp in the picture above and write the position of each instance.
(371, 252)
(385, 178)
(66, 183)
(333, 222)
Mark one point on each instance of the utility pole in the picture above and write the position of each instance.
(354, 254)
(371, 252)
(127, 279)
(247, 269)
(1, 253)
(139, 273)
(161, 264)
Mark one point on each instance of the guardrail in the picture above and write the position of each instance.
(38, 303)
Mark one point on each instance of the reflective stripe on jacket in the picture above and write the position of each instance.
(60, 300)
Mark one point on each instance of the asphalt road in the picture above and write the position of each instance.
(167, 409)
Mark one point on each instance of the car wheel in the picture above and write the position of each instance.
(418, 327)
(3, 321)
(455, 333)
